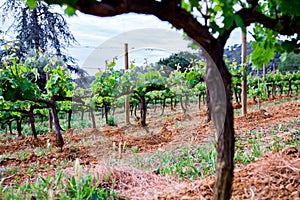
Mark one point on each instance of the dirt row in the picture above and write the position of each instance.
(258, 180)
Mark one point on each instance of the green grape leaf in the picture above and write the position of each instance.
(70, 11)
(239, 22)
(31, 3)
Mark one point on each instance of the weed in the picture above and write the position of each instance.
(8, 171)
(75, 187)
(183, 163)
(30, 172)
(134, 149)
(243, 157)
(111, 121)
(39, 151)
(275, 144)
(178, 125)
(10, 137)
(22, 154)
(256, 151)
(237, 111)
(254, 147)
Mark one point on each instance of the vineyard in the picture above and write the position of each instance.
(49, 126)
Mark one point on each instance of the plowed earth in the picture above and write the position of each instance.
(274, 176)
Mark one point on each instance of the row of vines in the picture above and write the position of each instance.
(266, 86)
(27, 98)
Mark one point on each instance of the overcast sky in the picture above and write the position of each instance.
(102, 38)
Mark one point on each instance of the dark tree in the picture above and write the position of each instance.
(39, 29)
(182, 59)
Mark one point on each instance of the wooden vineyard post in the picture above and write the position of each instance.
(244, 73)
(127, 97)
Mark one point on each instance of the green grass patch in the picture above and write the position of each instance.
(254, 144)
(183, 162)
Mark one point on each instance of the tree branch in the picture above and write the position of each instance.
(285, 25)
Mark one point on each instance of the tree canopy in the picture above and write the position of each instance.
(182, 59)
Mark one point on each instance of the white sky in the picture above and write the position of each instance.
(105, 38)
(95, 34)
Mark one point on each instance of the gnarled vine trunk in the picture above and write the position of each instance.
(59, 138)
(69, 118)
(143, 111)
(19, 126)
(51, 103)
(93, 118)
(31, 120)
(106, 110)
(9, 127)
(225, 129)
(183, 108)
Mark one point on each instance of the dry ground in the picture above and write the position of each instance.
(274, 176)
